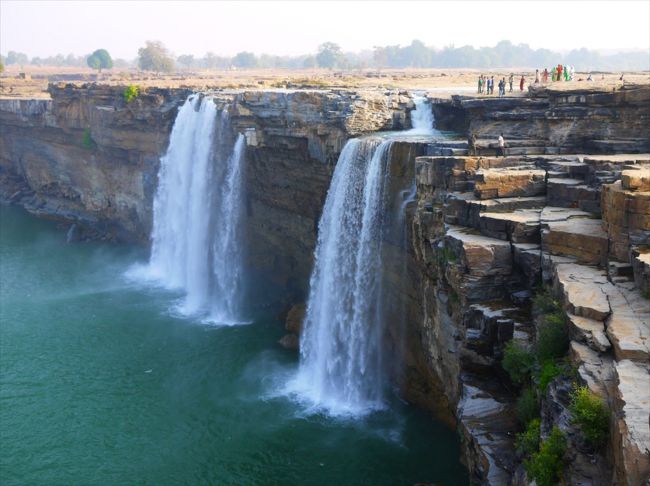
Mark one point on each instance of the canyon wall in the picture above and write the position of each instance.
(482, 234)
(88, 157)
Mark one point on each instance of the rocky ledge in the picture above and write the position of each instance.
(89, 157)
(489, 235)
(552, 120)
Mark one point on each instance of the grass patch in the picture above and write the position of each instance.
(543, 302)
(589, 412)
(549, 371)
(527, 406)
(446, 256)
(518, 362)
(546, 465)
(552, 337)
(87, 141)
(527, 442)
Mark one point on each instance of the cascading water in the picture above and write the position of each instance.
(341, 346)
(422, 117)
(196, 238)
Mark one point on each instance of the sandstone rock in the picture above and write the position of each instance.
(641, 269)
(290, 341)
(491, 183)
(628, 326)
(519, 226)
(636, 180)
(588, 331)
(486, 425)
(583, 290)
(583, 239)
(626, 218)
(295, 319)
(595, 370)
(631, 438)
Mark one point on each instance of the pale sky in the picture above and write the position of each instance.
(44, 28)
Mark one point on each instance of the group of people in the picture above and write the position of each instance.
(557, 74)
(486, 83)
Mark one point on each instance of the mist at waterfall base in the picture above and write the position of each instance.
(101, 384)
(341, 348)
(197, 228)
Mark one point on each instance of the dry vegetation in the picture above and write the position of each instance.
(439, 80)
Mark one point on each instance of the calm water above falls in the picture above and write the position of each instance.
(101, 385)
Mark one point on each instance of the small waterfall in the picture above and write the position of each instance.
(421, 117)
(341, 364)
(196, 238)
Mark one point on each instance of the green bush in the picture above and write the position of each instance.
(552, 337)
(550, 370)
(543, 303)
(447, 255)
(527, 442)
(527, 406)
(546, 465)
(590, 414)
(87, 141)
(518, 362)
(130, 93)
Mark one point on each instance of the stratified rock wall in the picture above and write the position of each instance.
(88, 157)
(573, 120)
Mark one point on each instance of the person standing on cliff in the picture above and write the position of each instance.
(545, 76)
(492, 85)
(536, 76)
(521, 83)
(501, 149)
(480, 82)
(471, 144)
(559, 72)
(511, 80)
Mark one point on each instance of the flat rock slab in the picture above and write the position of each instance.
(636, 180)
(631, 431)
(628, 327)
(583, 239)
(480, 254)
(589, 332)
(519, 226)
(595, 370)
(583, 289)
(492, 183)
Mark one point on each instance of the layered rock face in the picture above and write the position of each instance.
(487, 231)
(87, 156)
(553, 120)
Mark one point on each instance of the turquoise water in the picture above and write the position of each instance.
(100, 384)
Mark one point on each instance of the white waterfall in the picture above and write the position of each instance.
(422, 117)
(341, 365)
(196, 238)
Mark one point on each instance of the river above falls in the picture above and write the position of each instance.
(100, 384)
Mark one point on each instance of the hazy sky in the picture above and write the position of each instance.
(43, 28)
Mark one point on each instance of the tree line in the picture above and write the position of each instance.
(154, 56)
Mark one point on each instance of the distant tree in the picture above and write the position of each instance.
(329, 55)
(186, 60)
(17, 58)
(309, 62)
(2, 67)
(155, 57)
(245, 60)
(100, 59)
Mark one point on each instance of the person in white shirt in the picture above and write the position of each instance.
(501, 150)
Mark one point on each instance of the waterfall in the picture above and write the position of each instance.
(421, 117)
(341, 345)
(198, 208)
(341, 367)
